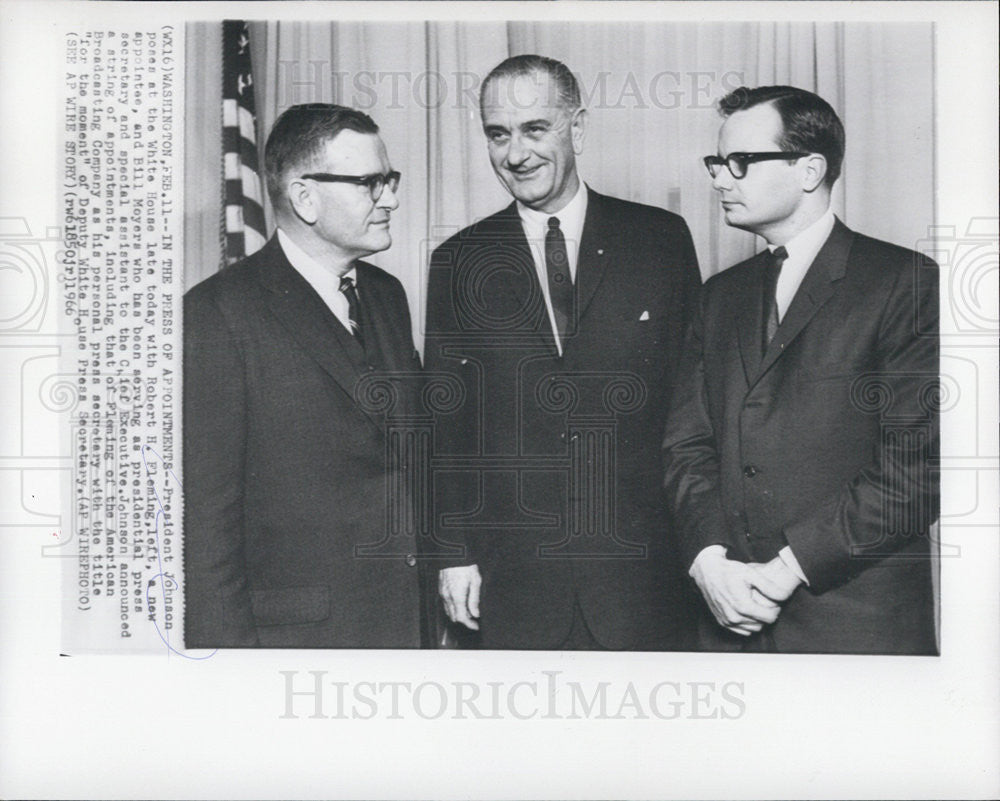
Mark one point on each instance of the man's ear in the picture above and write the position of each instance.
(814, 173)
(302, 199)
(578, 129)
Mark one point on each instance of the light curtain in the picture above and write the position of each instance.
(649, 88)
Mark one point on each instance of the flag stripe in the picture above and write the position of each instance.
(243, 217)
(251, 185)
(230, 118)
(248, 154)
(232, 168)
(253, 217)
(247, 124)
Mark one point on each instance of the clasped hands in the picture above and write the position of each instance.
(743, 597)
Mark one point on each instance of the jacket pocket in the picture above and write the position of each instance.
(291, 605)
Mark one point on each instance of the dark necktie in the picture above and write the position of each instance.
(560, 282)
(770, 307)
(353, 306)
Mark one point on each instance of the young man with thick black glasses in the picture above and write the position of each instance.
(802, 436)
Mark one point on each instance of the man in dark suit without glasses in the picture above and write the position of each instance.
(561, 317)
(802, 437)
(285, 471)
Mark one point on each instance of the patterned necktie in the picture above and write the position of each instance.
(560, 282)
(770, 307)
(353, 306)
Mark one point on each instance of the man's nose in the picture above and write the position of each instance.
(723, 179)
(388, 199)
(517, 152)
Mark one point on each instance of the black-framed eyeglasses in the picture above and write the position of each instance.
(376, 182)
(737, 163)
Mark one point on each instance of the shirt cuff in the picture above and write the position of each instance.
(786, 556)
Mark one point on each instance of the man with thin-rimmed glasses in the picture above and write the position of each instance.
(289, 490)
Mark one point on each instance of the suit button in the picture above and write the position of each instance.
(411, 560)
(746, 532)
(749, 471)
(575, 436)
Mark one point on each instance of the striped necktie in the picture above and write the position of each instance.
(353, 306)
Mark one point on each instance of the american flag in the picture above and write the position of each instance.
(243, 227)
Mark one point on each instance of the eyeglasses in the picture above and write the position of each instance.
(376, 182)
(737, 163)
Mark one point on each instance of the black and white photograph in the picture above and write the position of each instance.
(595, 436)
(607, 390)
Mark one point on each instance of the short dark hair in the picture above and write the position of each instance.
(567, 88)
(299, 135)
(808, 122)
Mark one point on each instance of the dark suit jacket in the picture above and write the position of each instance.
(548, 473)
(285, 464)
(826, 443)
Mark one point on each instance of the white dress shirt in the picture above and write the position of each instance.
(323, 279)
(536, 224)
(802, 251)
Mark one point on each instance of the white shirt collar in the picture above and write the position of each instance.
(307, 266)
(324, 280)
(805, 245)
(802, 251)
(535, 225)
(571, 217)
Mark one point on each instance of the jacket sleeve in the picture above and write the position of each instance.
(692, 275)
(894, 499)
(690, 456)
(217, 600)
(455, 428)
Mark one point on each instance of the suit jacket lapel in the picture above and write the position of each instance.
(510, 232)
(303, 313)
(748, 318)
(819, 284)
(594, 255)
(382, 325)
(389, 332)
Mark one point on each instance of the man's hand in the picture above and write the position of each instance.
(774, 579)
(728, 589)
(459, 590)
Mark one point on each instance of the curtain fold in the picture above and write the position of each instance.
(649, 89)
(889, 116)
(203, 192)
